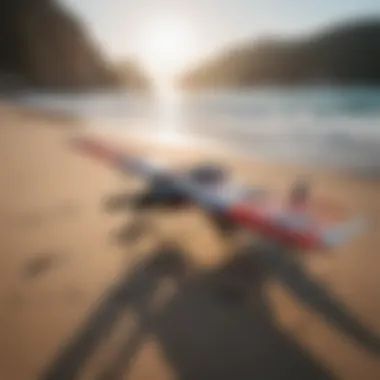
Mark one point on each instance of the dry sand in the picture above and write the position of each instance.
(76, 302)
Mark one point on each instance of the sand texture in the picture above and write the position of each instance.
(80, 300)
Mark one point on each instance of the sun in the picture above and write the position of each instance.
(166, 48)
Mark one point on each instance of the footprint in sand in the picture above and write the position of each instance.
(40, 265)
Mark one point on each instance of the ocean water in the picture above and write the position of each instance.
(334, 128)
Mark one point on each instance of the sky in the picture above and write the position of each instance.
(118, 25)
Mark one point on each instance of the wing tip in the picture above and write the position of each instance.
(336, 236)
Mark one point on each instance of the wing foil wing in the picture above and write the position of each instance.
(302, 228)
(311, 226)
(128, 164)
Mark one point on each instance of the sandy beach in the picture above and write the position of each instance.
(77, 301)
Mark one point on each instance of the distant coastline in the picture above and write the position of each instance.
(44, 46)
(343, 55)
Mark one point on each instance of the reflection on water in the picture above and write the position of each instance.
(170, 124)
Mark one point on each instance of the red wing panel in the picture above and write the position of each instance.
(274, 222)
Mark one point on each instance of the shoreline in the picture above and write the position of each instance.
(226, 152)
(336, 152)
(208, 147)
(338, 143)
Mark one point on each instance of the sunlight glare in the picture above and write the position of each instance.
(169, 121)
(167, 46)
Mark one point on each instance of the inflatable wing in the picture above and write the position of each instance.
(108, 154)
(301, 226)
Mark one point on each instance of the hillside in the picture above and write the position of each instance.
(344, 54)
(42, 44)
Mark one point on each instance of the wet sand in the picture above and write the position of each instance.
(80, 300)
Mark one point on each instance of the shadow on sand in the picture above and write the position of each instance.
(218, 324)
